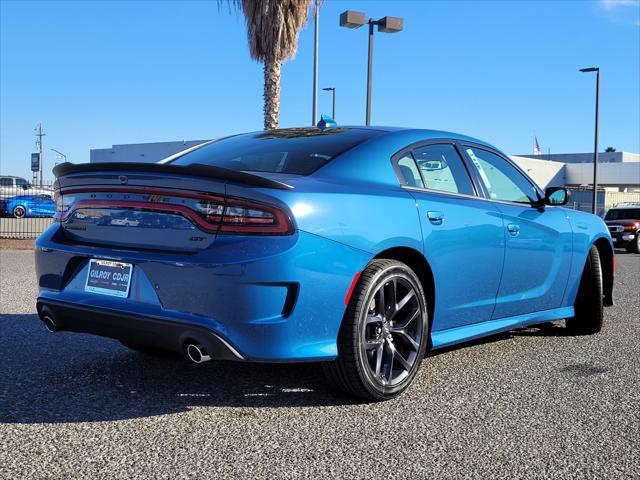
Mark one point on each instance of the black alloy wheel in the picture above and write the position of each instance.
(384, 333)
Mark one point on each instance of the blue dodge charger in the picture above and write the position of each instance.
(361, 248)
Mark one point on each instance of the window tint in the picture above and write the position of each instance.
(443, 169)
(289, 150)
(502, 180)
(409, 172)
(6, 182)
(623, 214)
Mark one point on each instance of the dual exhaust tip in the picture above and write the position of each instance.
(195, 351)
(49, 323)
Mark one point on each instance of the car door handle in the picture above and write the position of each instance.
(514, 230)
(436, 218)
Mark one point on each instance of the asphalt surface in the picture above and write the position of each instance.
(533, 403)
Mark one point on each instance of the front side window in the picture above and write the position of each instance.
(502, 180)
(442, 169)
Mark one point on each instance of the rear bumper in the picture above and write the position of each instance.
(620, 239)
(135, 328)
(273, 299)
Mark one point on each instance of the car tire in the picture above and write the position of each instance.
(147, 350)
(384, 333)
(589, 311)
(634, 245)
(19, 212)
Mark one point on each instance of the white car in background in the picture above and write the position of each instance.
(11, 186)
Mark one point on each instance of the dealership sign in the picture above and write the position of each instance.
(35, 162)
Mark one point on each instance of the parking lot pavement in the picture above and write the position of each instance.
(530, 404)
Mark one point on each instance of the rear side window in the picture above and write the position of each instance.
(502, 180)
(409, 171)
(298, 151)
(442, 169)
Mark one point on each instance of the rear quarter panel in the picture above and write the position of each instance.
(587, 230)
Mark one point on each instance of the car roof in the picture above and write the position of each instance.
(626, 205)
(423, 133)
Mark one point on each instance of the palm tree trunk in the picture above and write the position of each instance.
(272, 71)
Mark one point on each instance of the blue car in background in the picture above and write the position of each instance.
(362, 248)
(22, 206)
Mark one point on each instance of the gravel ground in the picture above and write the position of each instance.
(530, 404)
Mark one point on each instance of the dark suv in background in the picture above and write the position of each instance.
(623, 222)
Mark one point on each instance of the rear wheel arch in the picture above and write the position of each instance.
(418, 263)
(606, 260)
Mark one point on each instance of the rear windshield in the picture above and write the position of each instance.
(299, 151)
(623, 214)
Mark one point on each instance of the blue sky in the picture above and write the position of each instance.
(102, 73)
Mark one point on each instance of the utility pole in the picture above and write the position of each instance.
(37, 176)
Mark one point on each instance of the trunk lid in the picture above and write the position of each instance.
(146, 206)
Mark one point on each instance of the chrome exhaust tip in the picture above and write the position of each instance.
(49, 323)
(197, 353)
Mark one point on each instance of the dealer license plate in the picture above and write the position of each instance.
(109, 278)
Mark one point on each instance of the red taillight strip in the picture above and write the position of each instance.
(156, 207)
(256, 225)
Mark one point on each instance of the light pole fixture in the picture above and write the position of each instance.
(352, 19)
(595, 146)
(60, 154)
(333, 90)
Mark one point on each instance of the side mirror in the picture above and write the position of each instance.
(25, 186)
(556, 196)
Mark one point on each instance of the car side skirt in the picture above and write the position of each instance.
(452, 336)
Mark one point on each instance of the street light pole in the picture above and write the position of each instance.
(369, 69)
(314, 114)
(333, 91)
(594, 206)
(352, 19)
(60, 154)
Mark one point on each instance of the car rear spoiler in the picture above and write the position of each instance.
(195, 169)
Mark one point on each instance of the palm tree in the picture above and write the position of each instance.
(272, 32)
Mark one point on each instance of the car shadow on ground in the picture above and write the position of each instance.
(65, 377)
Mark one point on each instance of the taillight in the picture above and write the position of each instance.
(236, 216)
(210, 212)
(63, 202)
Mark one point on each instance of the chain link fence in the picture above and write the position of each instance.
(25, 210)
